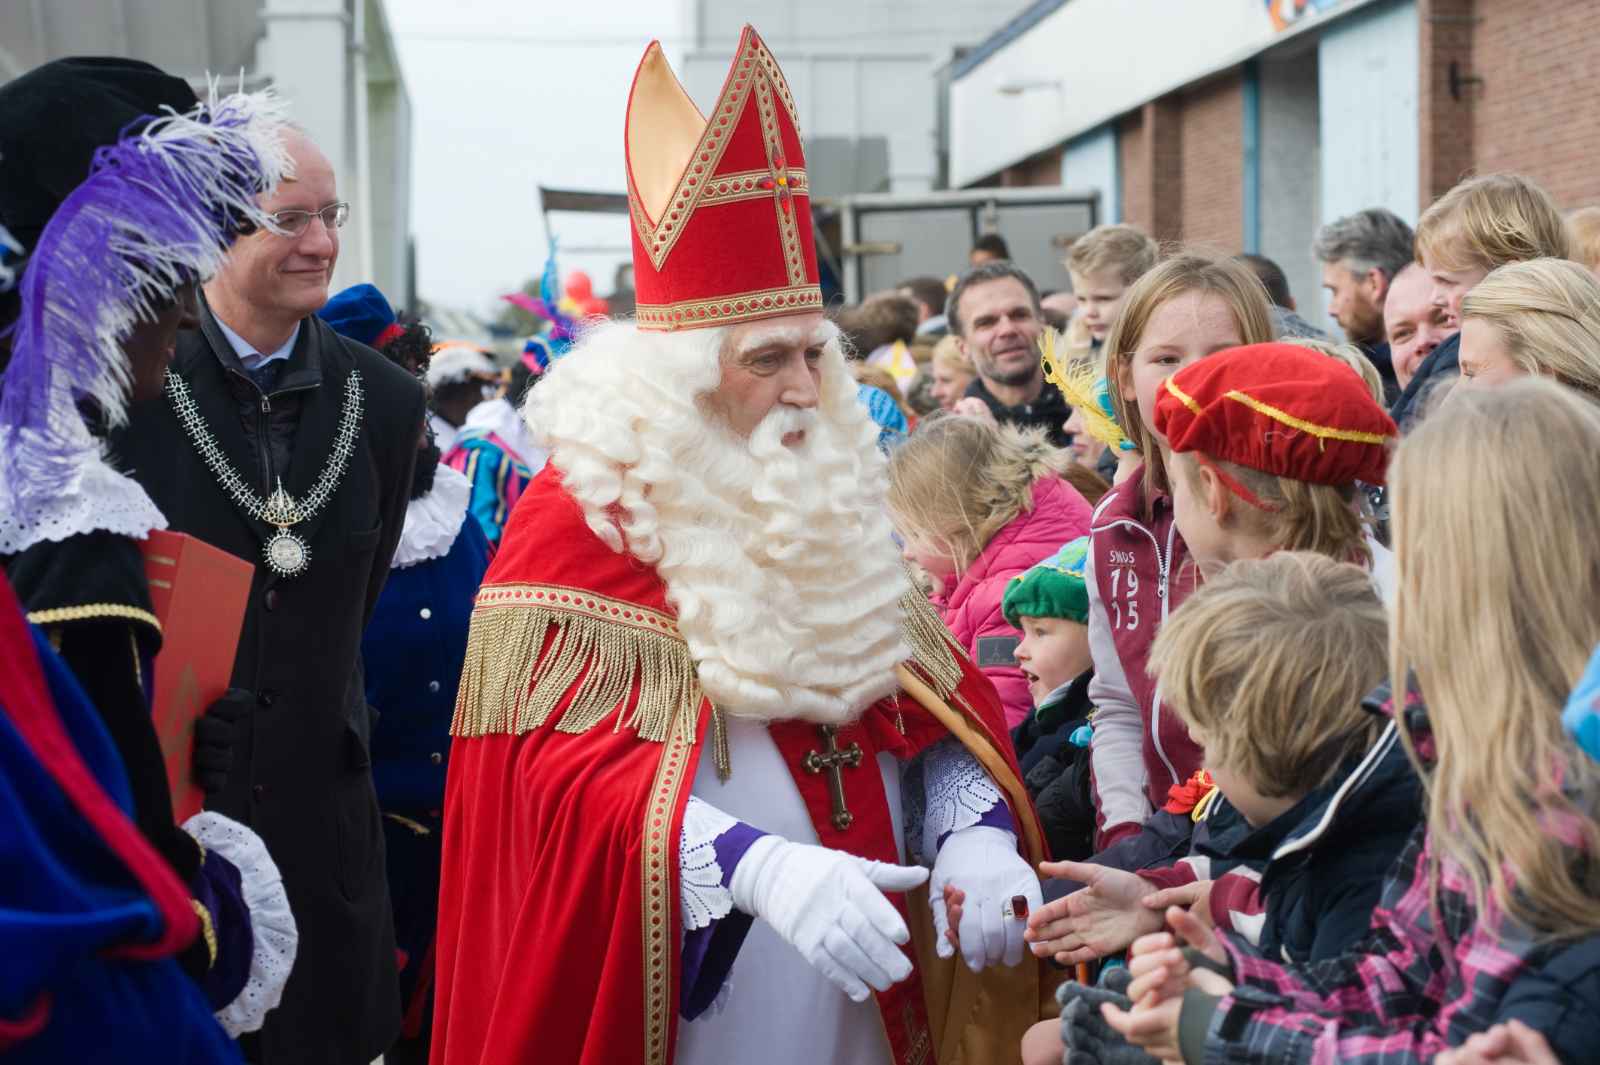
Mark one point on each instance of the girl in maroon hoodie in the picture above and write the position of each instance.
(1188, 307)
(976, 504)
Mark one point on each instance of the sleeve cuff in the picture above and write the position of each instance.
(1194, 1024)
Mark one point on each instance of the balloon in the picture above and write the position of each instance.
(579, 287)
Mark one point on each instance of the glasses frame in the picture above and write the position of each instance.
(340, 215)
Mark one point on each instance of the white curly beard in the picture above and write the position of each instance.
(780, 561)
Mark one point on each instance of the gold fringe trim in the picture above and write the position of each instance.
(933, 649)
(93, 612)
(598, 649)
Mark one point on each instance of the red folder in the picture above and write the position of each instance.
(200, 594)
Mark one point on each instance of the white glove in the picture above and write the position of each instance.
(829, 906)
(983, 862)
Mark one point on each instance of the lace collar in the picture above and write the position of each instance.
(434, 520)
(94, 498)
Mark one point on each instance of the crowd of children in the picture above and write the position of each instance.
(1294, 704)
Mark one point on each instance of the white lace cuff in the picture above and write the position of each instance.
(272, 928)
(958, 792)
(704, 894)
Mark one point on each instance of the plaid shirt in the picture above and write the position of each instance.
(1422, 979)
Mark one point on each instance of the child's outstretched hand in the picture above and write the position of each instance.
(954, 900)
(1161, 974)
(1194, 897)
(1159, 966)
(1512, 1043)
(1099, 919)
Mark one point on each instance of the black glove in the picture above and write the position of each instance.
(213, 739)
(1088, 1038)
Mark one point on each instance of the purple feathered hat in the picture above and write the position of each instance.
(158, 210)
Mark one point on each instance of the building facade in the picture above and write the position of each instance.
(1245, 124)
(333, 60)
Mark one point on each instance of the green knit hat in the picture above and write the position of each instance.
(1052, 589)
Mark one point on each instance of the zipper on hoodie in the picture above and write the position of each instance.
(1163, 569)
(264, 429)
(1155, 702)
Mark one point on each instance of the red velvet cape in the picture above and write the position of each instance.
(559, 924)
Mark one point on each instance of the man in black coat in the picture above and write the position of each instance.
(285, 444)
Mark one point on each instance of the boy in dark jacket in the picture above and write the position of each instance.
(1050, 604)
(1266, 664)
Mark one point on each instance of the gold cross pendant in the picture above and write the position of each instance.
(834, 761)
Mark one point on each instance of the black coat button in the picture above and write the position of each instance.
(259, 791)
(271, 599)
(436, 758)
(265, 697)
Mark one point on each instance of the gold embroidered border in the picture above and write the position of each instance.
(533, 648)
(746, 185)
(577, 601)
(659, 899)
(694, 314)
(783, 207)
(659, 236)
(751, 67)
(93, 612)
(208, 931)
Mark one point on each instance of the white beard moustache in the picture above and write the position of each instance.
(782, 567)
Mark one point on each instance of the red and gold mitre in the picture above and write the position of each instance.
(721, 206)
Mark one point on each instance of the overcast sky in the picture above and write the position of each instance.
(507, 95)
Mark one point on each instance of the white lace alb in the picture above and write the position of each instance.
(958, 793)
(434, 521)
(272, 928)
(702, 894)
(96, 498)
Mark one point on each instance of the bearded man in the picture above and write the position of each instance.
(704, 718)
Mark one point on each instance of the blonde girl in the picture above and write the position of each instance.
(1185, 308)
(975, 504)
(1493, 912)
(952, 372)
(1540, 317)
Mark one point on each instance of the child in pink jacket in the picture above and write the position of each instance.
(976, 504)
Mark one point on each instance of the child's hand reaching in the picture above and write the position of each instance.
(1159, 965)
(1101, 918)
(954, 899)
(1194, 897)
(1512, 1043)
(1161, 974)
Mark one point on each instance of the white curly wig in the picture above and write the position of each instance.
(779, 561)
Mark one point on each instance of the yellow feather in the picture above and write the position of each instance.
(1077, 382)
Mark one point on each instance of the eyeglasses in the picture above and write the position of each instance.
(294, 223)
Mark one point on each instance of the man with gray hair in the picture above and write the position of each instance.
(1361, 254)
(994, 314)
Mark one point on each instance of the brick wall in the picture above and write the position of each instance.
(1537, 111)
(1444, 124)
(1211, 160)
(1135, 191)
(1041, 169)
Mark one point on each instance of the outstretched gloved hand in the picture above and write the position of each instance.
(982, 863)
(830, 906)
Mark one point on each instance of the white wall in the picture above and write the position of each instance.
(858, 68)
(1367, 69)
(1291, 175)
(1090, 163)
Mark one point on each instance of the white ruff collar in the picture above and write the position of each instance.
(96, 498)
(434, 520)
